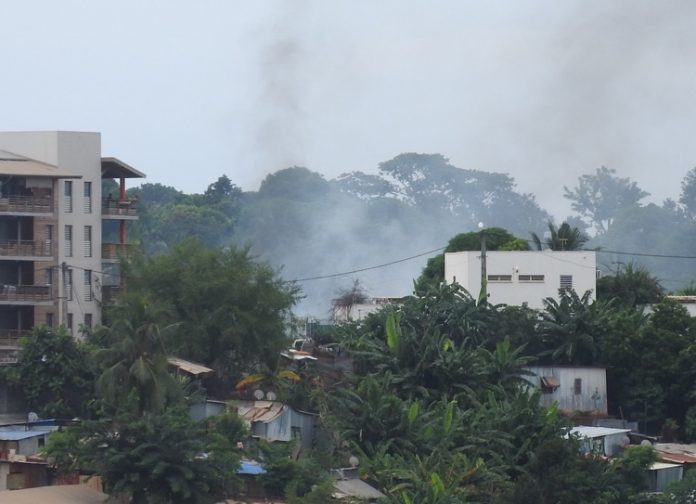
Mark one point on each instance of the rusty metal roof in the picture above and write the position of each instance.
(260, 411)
(188, 366)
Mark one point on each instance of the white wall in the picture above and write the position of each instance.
(593, 396)
(465, 269)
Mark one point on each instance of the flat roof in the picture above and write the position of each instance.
(14, 164)
(115, 168)
(18, 435)
(188, 366)
(585, 431)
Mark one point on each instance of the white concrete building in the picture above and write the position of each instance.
(55, 268)
(519, 277)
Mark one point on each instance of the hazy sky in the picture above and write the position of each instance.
(189, 90)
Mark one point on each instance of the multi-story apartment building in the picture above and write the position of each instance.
(55, 267)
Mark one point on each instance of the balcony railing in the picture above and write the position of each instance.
(122, 207)
(10, 337)
(26, 204)
(26, 248)
(32, 293)
(115, 250)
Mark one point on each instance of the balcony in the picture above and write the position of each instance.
(26, 205)
(119, 209)
(110, 293)
(39, 249)
(114, 251)
(10, 337)
(25, 294)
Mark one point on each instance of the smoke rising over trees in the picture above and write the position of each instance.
(309, 226)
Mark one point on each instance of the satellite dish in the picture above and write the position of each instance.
(32, 417)
(258, 394)
(353, 461)
(271, 396)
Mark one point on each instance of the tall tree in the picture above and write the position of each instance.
(630, 286)
(688, 192)
(229, 308)
(598, 197)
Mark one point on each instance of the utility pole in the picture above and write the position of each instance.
(484, 274)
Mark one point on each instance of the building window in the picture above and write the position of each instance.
(68, 240)
(88, 319)
(42, 442)
(69, 323)
(49, 238)
(88, 197)
(49, 319)
(68, 196)
(68, 285)
(48, 276)
(500, 278)
(88, 241)
(531, 278)
(88, 285)
(566, 281)
(577, 386)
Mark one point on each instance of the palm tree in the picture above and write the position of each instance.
(573, 326)
(135, 359)
(564, 237)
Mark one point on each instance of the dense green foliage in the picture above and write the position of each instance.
(226, 310)
(563, 237)
(439, 412)
(153, 458)
(53, 374)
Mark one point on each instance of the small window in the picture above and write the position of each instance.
(49, 319)
(68, 241)
(42, 442)
(69, 323)
(500, 278)
(577, 386)
(68, 196)
(549, 384)
(48, 276)
(531, 278)
(88, 241)
(88, 319)
(88, 197)
(88, 285)
(566, 281)
(68, 285)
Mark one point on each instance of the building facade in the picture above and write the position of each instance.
(574, 389)
(57, 263)
(523, 277)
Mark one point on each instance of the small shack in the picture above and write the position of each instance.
(275, 421)
(661, 474)
(574, 389)
(601, 440)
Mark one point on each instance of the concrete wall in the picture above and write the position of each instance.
(465, 269)
(593, 395)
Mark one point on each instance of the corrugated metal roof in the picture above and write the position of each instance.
(250, 467)
(13, 435)
(657, 466)
(355, 488)
(677, 458)
(59, 494)
(261, 411)
(188, 366)
(594, 432)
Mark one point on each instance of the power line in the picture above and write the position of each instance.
(643, 254)
(334, 275)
